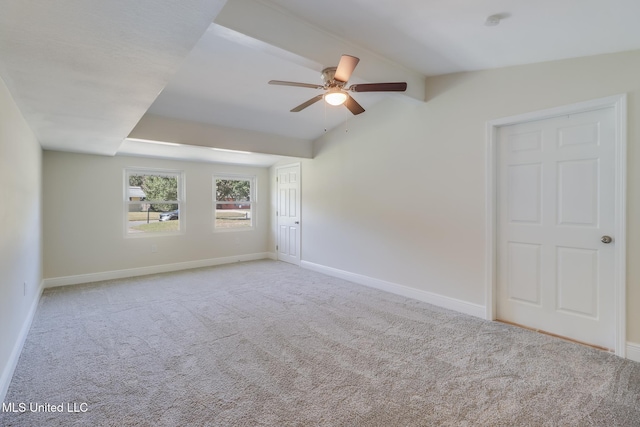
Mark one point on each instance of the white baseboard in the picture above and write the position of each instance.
(633, 351)
(10, 367)
(394, 288)
(154, 269)
(272, 255)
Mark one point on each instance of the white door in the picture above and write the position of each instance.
(556, 211)
(288, 213)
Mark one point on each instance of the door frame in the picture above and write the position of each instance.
(277, 238)
(619, 104)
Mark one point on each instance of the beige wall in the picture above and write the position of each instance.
(90, 238)
(400, 197)
(20, 228)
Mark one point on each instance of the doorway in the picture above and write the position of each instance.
(556, 240)
(288, 213)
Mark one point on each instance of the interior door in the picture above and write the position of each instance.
(288, 213)
(556, 218)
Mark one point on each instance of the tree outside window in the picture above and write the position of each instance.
(153, 201)
(233, 203)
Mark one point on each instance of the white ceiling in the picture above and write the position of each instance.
(448, 36)
(84, 72)
(224, 79)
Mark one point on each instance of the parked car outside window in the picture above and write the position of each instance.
(168, 216)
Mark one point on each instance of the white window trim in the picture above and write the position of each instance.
(252, 202)
(180, 202)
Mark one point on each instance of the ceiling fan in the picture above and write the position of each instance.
(336, 89)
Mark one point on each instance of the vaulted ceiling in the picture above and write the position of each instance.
(87, 74)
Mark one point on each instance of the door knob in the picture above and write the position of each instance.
(606, 239)
(298, 222)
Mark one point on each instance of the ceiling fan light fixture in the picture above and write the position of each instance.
(335, 97)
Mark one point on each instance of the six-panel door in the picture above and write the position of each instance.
(555, 204)
(288, 214)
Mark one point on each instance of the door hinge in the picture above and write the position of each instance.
(276, 247)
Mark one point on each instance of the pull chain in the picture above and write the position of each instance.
(325, 114)
(346, 121)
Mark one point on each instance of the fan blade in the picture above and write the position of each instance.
(282, 83)
(353, 106)
(345, 67)
(379, 87)
(306, 104)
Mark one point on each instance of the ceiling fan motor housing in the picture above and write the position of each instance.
(328, 77)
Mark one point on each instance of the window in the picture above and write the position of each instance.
(153, 202)
(234, 199)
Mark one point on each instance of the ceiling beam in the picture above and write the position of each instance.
(158, 128)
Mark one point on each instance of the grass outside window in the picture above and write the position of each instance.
(234, 203)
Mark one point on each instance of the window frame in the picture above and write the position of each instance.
(252, 201)
(179, 175)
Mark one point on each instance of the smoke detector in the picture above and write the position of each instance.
(494, 20)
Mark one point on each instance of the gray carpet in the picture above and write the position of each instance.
(269, 344)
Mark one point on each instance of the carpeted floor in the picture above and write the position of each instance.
(269, 344)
